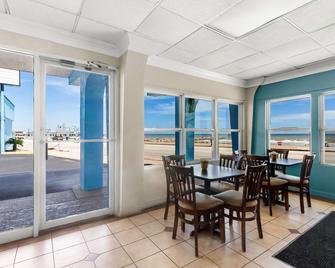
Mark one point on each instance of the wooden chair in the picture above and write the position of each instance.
(302, 182)
(177, 160)
(247, 201)
(228, 161)
(241, 152)
(282, 154)
(206, 210)
(271, 186)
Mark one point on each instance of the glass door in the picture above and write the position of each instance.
(16, 145)
(77, 144)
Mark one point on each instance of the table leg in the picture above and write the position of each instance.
(207, 187)
(272, 170)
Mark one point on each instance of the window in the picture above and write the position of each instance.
(228, 127)
(161, 126)
(199, 129)
(289, 124)
(328, 129)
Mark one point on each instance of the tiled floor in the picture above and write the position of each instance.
(145, 241)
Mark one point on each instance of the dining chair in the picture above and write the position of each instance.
(204, 210)
(241, 152)
(177, 160)
(282, 154)
(272, 187)
(246, 201)
(302, 182)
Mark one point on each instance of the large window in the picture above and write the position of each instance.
(228, 127)
(289, 125)
(328, 129)
(174, 124)
(161, 127)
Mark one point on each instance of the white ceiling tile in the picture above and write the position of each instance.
(124, 14)
(179, 55)
(265, 70)
(309, 57)
(293, 48)
(165, 26)
(314, 16)
(325, 36)
(2, 7)
(246, 63)
(198, 10)
(223, 56)
(67, 5)
(99, 31)
(249, 15)
(42, 14)
(144, 45)
(202, 42)
(272, 35)
(331, 48)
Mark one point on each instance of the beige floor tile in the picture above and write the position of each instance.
(130, 266)
(206, 242)
(181, 254)
(291, 237)
(95, 232)
(159, 213)
(266, 260)
(297, 216)
(141, 249)
(225, 257)
(142, 219)
(157, 260)
(70, 255)
(82, 264)
(164, 240)
(279, 246)
(169, 221)
(288, 223)
(44, 261)
(103, 244)
(129, 236)
(236, 227)
(113, 259)
(275, 230)
(7, 257)
(120, 225)
(231, 235)
(202, 263)
(65, 240)
(252, 249)
(32, 250)
(252, 265)
(267, 241)
(152, 228)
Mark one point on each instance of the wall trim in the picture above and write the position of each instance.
(323, 194)
(318, 67)
(194, 71)
(20, 26)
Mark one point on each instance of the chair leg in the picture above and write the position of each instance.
(196, 223)
(302, 208)
(243, 237)
(222, 225)
(167, 204)
(287, 204)
(270, 201)
(175, 223)
(183, 223)
(231, 217)
(258, 220)
(309, 203)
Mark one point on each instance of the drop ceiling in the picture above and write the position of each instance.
(244, 39)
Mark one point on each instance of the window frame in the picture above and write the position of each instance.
(293, 130)
(214, 130)
(323, 129)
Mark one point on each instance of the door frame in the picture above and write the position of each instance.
(40, 118)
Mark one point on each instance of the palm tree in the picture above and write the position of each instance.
(15, 143)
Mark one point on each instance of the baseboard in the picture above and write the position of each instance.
(154, 203)
(322, 194)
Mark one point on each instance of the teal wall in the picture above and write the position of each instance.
(323, 176)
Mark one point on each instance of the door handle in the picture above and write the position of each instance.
(46, 151)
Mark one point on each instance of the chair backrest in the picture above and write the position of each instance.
(258, 160)
(227, 160)
(282, 153)
(183, 184)
(306, 167)
(253, 182)
(241, 152)
(241, 162)
(177, 160)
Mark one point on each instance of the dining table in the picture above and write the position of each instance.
(283, 163)
(216, 173)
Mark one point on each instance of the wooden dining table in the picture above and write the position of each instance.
(216, 173)
(282, 162)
